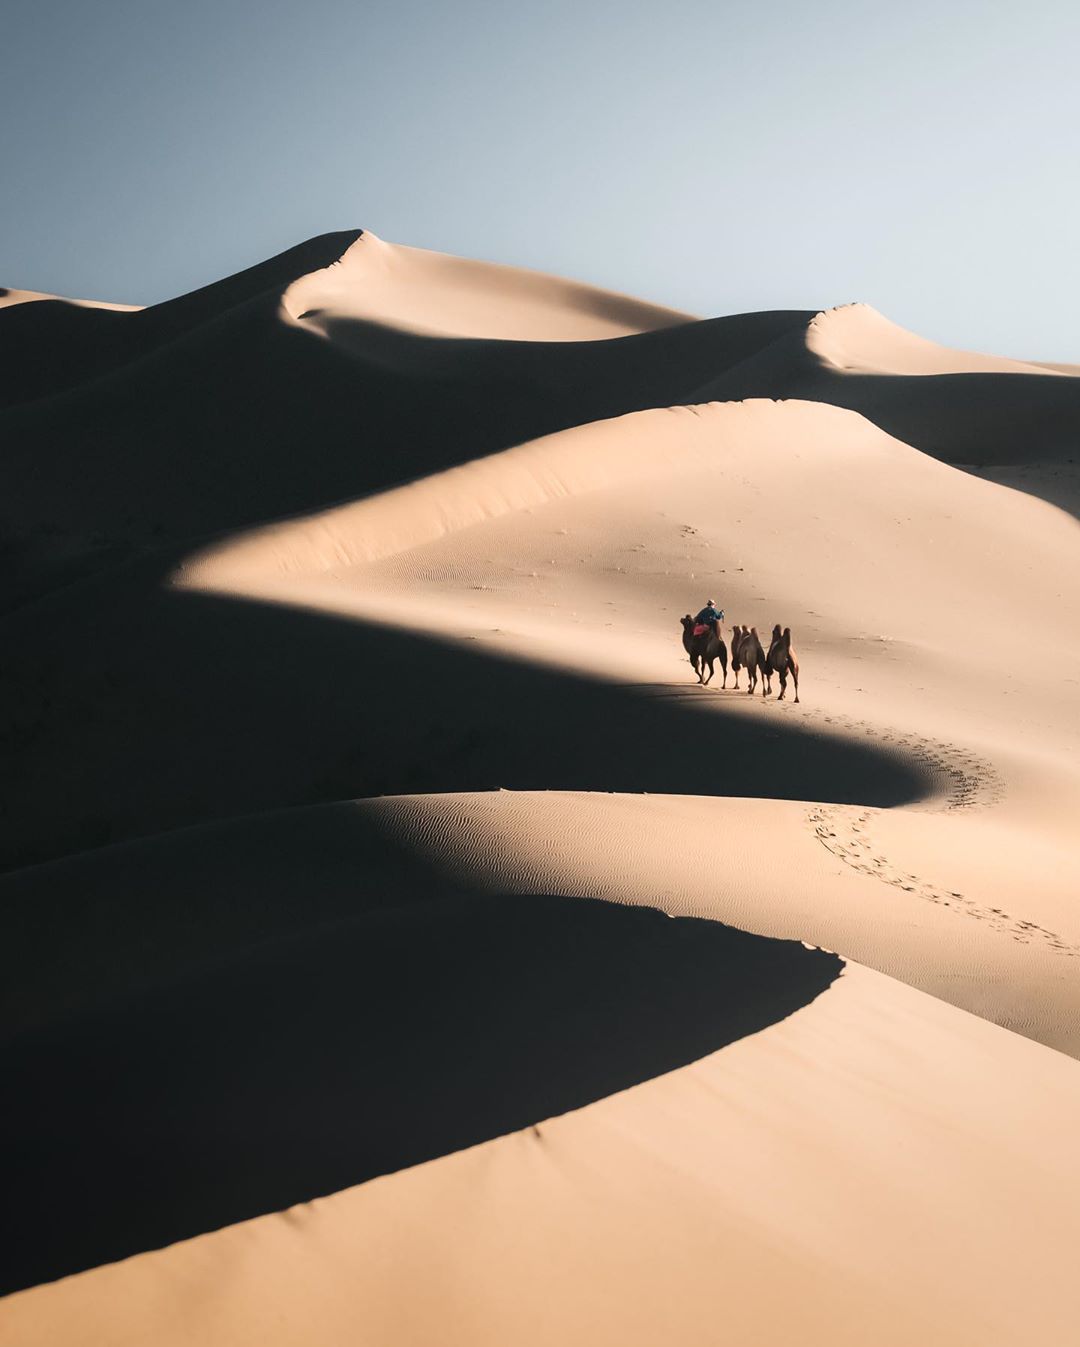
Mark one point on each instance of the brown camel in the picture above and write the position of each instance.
(704, 650)
(752, 657)
(781, 660)
(738, 635)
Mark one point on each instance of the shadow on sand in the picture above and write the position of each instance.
(130, 710)
(251, 418)
(357, 1049)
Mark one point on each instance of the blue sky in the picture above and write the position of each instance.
(921, 156)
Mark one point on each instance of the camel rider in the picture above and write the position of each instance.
(710, 616)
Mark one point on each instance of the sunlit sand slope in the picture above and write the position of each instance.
(865, 1171)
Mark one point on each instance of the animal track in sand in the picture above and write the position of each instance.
(971, 782)
(968, 780)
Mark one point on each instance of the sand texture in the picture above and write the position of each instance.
(404, 947)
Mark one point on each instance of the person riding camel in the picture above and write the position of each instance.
(710, 616)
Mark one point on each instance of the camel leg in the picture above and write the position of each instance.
(783, 684)
(708, 680)
(795, 680)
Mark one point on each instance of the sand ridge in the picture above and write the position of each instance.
(855, 338)
(732, 1190)
(359, 768)
(438, 295)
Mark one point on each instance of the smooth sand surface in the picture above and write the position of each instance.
(865, 1171)
(422, 291)
(348, 681)
(9, 298)
(857, 339)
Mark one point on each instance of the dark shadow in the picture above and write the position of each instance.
(251, 418)
(46, 345)
(95, 927)
(1055, 481)
(128, 710)
(355, 1051)
(968, 419)
(972, 421)
(51, 345)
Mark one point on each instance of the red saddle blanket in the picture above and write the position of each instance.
(700, 628)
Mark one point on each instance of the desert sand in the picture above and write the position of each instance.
(406, 948)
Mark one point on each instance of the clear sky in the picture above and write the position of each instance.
(921, 155)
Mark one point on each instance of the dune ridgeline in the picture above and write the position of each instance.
(403, 947)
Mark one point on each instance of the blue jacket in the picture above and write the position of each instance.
(708, 614)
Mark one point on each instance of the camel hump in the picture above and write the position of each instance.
(787, 633)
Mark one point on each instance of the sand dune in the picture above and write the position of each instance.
(626, 500)
(259, 406)
(861, 1172)
(55, 344)
(437, 295)
(354, 761)
(855, 338)
(240, 1097)
(9, 298)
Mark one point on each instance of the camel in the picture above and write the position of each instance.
(738, 635)
(781, 660)
(704, 649)
(752, 657)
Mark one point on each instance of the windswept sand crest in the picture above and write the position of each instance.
(9, 298)
(856, 339)
(551, 577)
(876, 1168)
(439, 295)
(400, 1032)
(127, 919)
(631, 501)
(285, 388)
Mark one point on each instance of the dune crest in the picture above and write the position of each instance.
(9, 298)
(439, 295)
(837, 1178)
(856, 339)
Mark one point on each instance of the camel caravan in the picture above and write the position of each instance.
(704, 645)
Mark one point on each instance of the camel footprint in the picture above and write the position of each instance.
(970, 782)
(846, 837)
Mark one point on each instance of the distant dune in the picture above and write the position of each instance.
(405, 947)
(251, 418)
